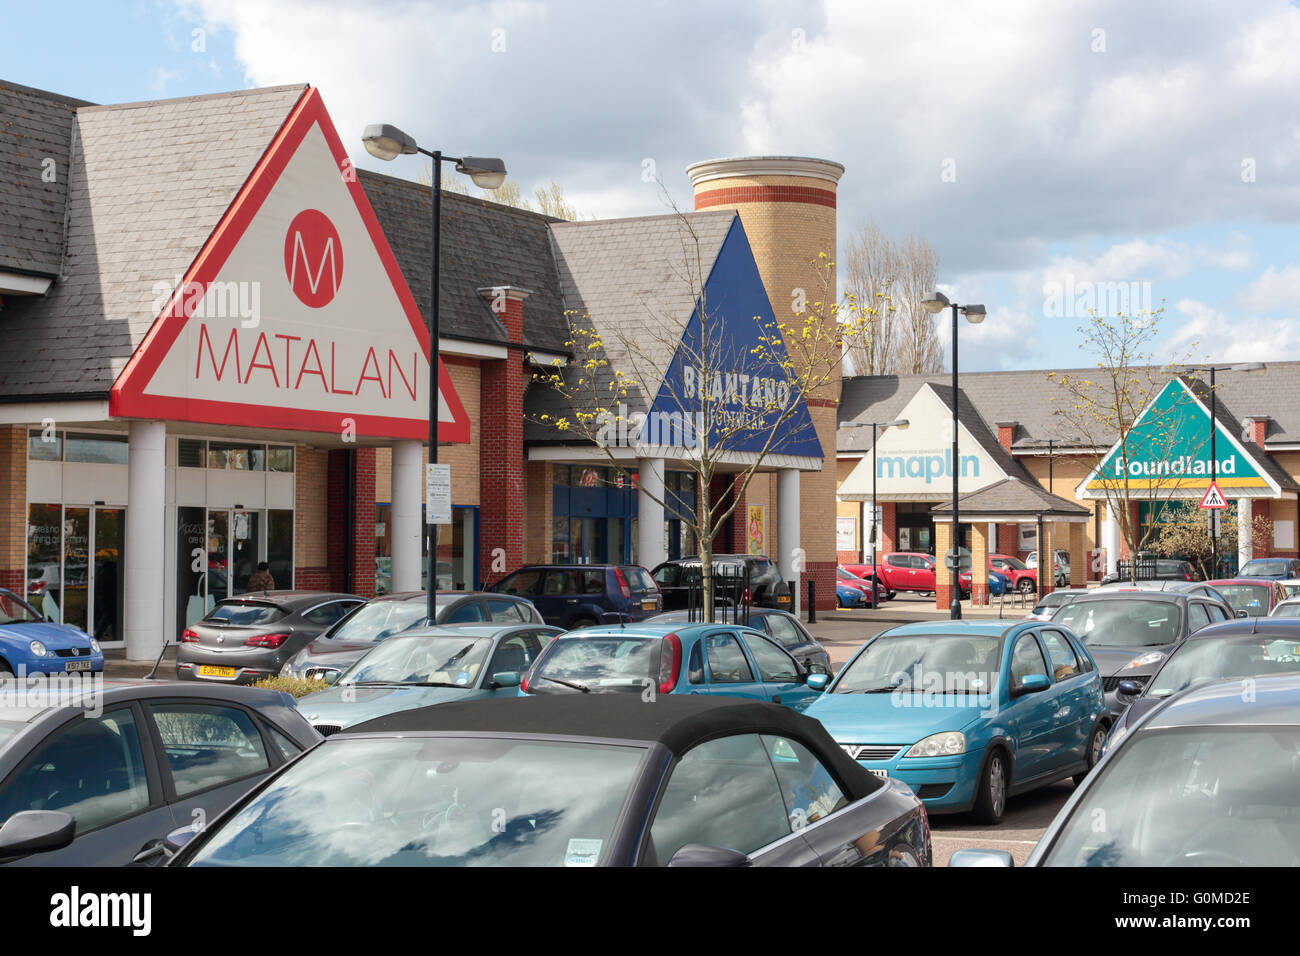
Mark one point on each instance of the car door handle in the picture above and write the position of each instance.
(151, 854)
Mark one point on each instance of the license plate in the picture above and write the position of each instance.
(648, 605)
(882, 774)
(207, 670)
(77, 666)
(783, 599)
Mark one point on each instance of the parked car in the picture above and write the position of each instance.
(677, 579)
(900, 571)
(847, 596)
(244, 639)
(1129, 632)
(1060, 565)
(380, 618)
(1201, 588)
(1250, 597)
(601, 781)
(101, 781)
(1239, 648)
(426, 666)
(1052, 601)
(845, 579)
(866, 573)
(1288, 608)
(999, 584)
(580, 595)
(663, 659)
(1023, 578)
(1153, 569)
(1279, 569)
(781, 626)
(1291, 586)
(968, 714)
(30, 644)
(1206, 779)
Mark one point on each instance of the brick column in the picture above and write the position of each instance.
(888, 525)
(1047, 559)
(13, 507)
(944, 581)
(979, 563)
(1078, 556)
(739, 543)
(311, 520)
(501, 442)
(539, 517)
(361, 531)
(1009, 539)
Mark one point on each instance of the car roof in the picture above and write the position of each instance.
(677, 721)
(289, 598)
(1275, 701)
(89, 692)
(1262, 582)
(422, 596)
(1133, 594)
(1287, 628)
(474, 630)
(955, 628)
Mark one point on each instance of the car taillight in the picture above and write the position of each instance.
(267, 640)
(622, 583)
(670, 662)
(188, 636)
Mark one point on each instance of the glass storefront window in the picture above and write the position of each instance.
(96, 449)
(110, 541)
(236, 456)
(44, 551)
(280, 457)
(279, 546)
(43, 446)
(76, 570)
(192, 599)
(190, 452)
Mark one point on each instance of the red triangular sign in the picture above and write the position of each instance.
(1213, 497)
(295, 314)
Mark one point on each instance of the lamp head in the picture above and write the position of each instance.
(387, 142)
(974, 314)
(936, 303)
(487, 172)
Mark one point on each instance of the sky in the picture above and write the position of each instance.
(1058, 156)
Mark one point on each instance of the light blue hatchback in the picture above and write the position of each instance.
(969, 713)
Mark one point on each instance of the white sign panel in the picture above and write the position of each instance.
(437, 494)
(846, 534)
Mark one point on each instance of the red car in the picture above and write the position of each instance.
(900, 571)
(1255, 596)
(847, 579)
(1023, 578)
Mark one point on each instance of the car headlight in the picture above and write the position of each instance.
(38, 649)
(94, 646)
(287, 669)
(1146, 660)
(939, 745)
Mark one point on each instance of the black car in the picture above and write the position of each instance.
(1245, 648)
(99, 779)
(1130, 631)
(732, 574)
(247, 638)
(601, 780)
(356, 635)
(782, 626)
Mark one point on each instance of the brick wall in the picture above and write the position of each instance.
(538, 517)
(13, 506)
(362, 529)
(501, 451)
(311, 514)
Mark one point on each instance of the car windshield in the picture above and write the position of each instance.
(1263, 567)
(1206, 659)
(434, 801)
(596, 663)
(846, 576)
(932, 663)
(422, 660)
(1122, 623)
(1015, 563)
(378, 620)
(241, 614)
(1287, 609)
(14, 611)
(1194, 797)
(1251, 598)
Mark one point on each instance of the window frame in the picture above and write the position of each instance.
(270, 748)
(708, 660)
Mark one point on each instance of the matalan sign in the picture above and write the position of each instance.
(437, 494)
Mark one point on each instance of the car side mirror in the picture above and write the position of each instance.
(697, 854)
(505, 679)
(1129, 688)
(37, 831)
(818, 682)
(1033, 683)
(977, 857)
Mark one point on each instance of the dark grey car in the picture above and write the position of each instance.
(1130, 632)
(133, 762)
(356, 635)
(244, 639)
(781, 626)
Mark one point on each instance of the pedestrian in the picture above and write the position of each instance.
(261, 579)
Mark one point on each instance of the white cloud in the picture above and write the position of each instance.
(1273, 289)
(1205, 333)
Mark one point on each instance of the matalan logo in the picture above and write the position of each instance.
(313, 258)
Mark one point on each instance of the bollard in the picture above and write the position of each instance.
(812, 602)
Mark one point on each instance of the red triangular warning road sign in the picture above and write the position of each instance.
(1213, 497)
(332, 334)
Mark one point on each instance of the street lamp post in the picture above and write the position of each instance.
(875, 427)
(1214, 458)
(1050, 444)
(974, 315)
(387, 143)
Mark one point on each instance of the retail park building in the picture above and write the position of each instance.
(215, 353)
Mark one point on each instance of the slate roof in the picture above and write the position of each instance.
(1233, 427)
(148, 182)
(1029, 398)
(970, 420)
(1014, 496)
(483, 244)
(34, 126)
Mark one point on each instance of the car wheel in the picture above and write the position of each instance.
(1095, 744)
(991, 799)
(1026, 586)
(890, 595)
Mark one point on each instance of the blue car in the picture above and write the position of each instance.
(581, 595)
(31, 644)
(653, 659)
(846, 596)
(968, 714)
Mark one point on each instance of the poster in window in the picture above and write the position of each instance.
(755, 529)
(846, 534)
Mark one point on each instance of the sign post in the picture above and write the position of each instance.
(1214, 503)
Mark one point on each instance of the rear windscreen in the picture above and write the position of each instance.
(639, 579)
(244, 615)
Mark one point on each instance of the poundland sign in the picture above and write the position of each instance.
(928, 467)
(1168, 448)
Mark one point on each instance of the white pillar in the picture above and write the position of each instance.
(1245, 540)
(787, 530)
(408, 528)
(1110, 539)
(651, 548)
(146, 514)
(993, 538)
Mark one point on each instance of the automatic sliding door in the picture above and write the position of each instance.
(110, 532)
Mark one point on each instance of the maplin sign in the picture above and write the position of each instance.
(926, 466)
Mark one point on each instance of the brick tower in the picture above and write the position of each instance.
(787, 206)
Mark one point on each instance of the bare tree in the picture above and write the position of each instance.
(550, 199)
(885, 281)
(920, 350)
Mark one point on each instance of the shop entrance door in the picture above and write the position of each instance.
(235, 547)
